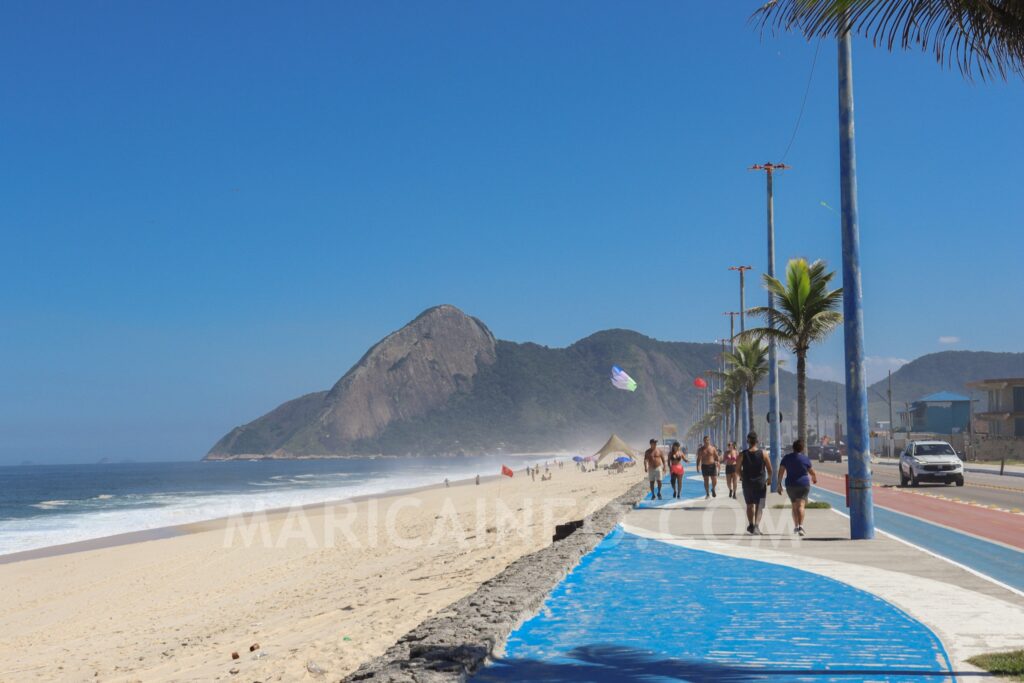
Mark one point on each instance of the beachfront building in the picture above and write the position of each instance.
(1005, 412)
(943, 412)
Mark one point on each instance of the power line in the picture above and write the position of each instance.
(803, 104)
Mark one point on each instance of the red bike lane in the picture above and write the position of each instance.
(993, 525)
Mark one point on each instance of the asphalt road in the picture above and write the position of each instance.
(1005, 492)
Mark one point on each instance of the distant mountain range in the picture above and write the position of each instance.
(444, 385)
(943, 371)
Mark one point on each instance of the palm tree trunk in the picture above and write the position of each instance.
(736, 422)
(750, 407)
(801, 396)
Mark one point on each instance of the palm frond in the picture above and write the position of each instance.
(981, 37)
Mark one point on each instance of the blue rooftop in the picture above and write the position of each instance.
(943, 396)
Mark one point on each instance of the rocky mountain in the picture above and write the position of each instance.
(407, 375)
(443, 384)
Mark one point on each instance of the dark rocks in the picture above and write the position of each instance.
(458, 640)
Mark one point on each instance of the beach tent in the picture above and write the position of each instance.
(614, 446)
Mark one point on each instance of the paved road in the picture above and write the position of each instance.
(1006, 493)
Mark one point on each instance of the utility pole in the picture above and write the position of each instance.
(733, 414)
(862, 513)
(775, 439)
(817, 420)
(723, 422)
(732, 328)
(836, 426)
(744, 417)
(892, 441)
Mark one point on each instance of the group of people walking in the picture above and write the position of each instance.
(750, 467)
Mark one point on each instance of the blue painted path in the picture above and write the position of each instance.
(693, 487)
(642, 611)
(1000, 562)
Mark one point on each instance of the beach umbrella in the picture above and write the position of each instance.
(578, 458)
(623, 458)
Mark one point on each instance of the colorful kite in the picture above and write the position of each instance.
(620, 380)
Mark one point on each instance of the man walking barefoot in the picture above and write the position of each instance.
(707, 463)
(755, 473)
(799, 475)
(654, 466)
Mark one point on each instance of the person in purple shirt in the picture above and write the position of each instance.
(796, 467)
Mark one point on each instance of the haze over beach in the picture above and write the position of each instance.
(432, 343)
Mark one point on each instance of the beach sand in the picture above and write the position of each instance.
(335, 584)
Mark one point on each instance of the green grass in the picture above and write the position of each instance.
(811, 505)
(1002, 664)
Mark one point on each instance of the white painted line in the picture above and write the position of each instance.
(943, 557)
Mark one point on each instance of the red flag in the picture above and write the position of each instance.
(507, 471)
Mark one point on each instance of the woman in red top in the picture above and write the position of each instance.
(732, 477)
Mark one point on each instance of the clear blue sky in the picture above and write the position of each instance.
(211, 207)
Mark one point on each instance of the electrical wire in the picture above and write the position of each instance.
(803, 104)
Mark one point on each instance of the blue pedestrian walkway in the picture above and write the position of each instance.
(638, 610)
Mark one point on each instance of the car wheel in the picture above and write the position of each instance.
(959, 481)
(903, 478)
(913, 479)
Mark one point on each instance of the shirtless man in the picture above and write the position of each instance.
(707, 463)
(654, 466)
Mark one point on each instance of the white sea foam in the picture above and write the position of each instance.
(107, 515)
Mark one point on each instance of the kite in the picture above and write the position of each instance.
(827, 206)
(621, 380)
(700, 383)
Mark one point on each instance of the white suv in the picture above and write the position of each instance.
(930, 461)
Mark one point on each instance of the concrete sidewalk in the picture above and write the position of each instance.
(681, 592)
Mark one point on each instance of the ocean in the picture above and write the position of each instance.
(45, 505)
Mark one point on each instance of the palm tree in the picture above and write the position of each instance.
(983, 37)
(806, 312)
(748, 362)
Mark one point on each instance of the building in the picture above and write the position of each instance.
(940, 413)
(1005, 413)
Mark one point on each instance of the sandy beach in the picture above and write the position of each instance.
(333, 584)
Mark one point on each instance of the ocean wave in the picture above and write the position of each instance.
(51, 504)
(108, 514)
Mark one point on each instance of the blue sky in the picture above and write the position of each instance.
(211, 207)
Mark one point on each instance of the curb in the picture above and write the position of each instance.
(456, 642)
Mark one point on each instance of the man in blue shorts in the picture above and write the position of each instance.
(799, 473)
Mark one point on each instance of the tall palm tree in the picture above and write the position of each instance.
(725, 404)
(748, 363)
(983, 37)
(806, 312)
